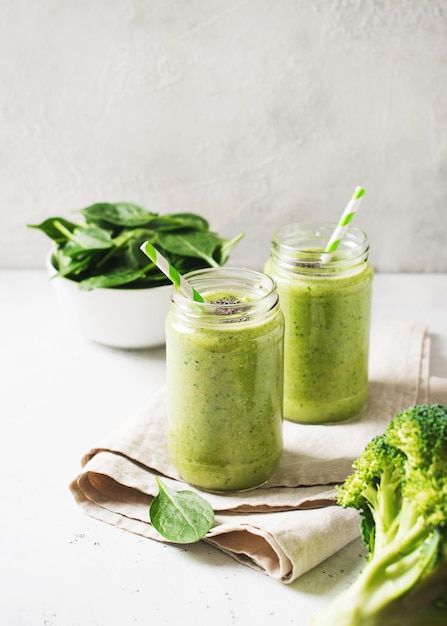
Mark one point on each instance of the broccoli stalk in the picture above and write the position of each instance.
(399, 485)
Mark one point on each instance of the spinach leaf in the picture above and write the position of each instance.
(224, 249)
(51, 229)
(180, 516)
(113, 278)
(130, 255)
(69, 267)
(174, 221)
(120, 214)
(193, 243)
(92, 237)
(72, 250)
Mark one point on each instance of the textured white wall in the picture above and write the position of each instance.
(254, 113)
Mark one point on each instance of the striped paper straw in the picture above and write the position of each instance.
(343, 224)
(163, 264)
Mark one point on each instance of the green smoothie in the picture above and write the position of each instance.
(327, 320)
(225, 385)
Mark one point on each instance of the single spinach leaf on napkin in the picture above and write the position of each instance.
(180, 516)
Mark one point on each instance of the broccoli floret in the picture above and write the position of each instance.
(399, 485)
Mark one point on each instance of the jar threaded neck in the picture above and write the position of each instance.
(230, 294)
(299, 248)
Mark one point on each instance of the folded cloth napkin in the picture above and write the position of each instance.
(291, 523)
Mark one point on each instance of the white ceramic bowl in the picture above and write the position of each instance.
(120, 318)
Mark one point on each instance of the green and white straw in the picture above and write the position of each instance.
(163, 264)
(345, 220)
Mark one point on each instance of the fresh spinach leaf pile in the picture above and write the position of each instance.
(104, 249)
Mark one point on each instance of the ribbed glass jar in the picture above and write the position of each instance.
(326, 302)
(225, 380)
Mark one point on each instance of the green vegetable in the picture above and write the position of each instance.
(180, 516)
(104, 249)
(400, 487)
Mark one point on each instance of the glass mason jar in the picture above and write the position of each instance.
(326, 302)
(225, 380)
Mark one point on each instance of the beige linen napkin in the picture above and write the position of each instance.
(291, 523)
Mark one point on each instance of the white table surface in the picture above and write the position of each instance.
(60, 394)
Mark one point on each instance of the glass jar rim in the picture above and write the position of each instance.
(300, 247)
(260, 289)
(324, 229)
